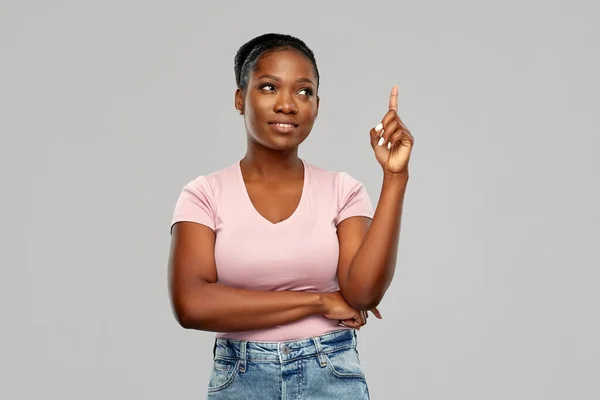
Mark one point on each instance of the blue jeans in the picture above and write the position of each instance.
(321, 367)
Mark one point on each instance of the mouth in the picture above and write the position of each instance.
(283, 127)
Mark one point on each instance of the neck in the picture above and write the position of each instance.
(263, 163)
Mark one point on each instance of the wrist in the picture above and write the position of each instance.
(321, 303)
(395, 176)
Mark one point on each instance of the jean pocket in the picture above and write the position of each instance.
(223, 374)
(345, 364)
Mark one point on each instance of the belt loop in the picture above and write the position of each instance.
(243, 356)
(320, 356)
(215, 349)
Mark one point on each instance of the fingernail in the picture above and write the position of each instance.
(378, 127)
(389, 145)
(380, 143)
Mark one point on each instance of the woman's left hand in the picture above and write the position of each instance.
(391, 140)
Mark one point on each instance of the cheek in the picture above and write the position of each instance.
(260, 104)
(255, 124)
(256, 111)
(309, 114)
(307, 129)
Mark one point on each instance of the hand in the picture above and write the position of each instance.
(391, 140)
(337, 308)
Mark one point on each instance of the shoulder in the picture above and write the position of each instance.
(347, 193)
(340, 180)
(211, 183)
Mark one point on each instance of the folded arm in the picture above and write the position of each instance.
(199, 302)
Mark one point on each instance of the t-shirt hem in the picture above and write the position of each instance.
(368, 215)
(222, 335)
(207, 224)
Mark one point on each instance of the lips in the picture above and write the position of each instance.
(283, 127)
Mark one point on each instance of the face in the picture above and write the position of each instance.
(280, 102)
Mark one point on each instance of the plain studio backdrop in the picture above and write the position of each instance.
(109, 108)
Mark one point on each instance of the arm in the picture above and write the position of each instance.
(200, 303)
(368, 252)
(368, 249)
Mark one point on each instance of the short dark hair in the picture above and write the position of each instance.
(247, 56)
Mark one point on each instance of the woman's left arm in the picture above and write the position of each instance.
(368, 249)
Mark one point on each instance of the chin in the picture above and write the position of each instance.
(280, 142)
(278, 145)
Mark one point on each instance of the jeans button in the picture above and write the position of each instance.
(286, 350)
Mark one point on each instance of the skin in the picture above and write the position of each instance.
(283, 87)
(369, 251)
(280, 89)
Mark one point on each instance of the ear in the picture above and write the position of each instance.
(318, 101)
(239, 100)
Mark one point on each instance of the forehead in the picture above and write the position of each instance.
(285, 63)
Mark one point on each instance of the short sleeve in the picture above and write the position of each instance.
(353, 199)
(195, 204)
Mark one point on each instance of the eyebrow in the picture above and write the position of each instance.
(278, 79)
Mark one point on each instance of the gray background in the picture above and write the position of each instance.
(109, 108)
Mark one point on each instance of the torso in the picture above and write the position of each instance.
(276, 236)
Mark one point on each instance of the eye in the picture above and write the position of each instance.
(307, 91)
(267, 86)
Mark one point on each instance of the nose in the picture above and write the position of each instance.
(285, 103)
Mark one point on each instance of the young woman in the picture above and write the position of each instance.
(282, 259)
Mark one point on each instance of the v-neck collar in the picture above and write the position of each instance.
(253, 208)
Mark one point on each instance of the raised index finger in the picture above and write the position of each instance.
(394, 99)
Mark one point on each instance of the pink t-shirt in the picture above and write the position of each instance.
(299, 253)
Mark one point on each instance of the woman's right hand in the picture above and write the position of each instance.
(337, 308)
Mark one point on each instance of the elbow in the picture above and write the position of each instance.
(366, 304)
(364, 292)
(190, 307)
(185, 320)
(182, 316)
(186, 317)
(363, 301)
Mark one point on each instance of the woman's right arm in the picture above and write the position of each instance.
(200, 303)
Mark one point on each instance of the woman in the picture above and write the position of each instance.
(280, 258)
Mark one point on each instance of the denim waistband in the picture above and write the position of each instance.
(286, 351)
